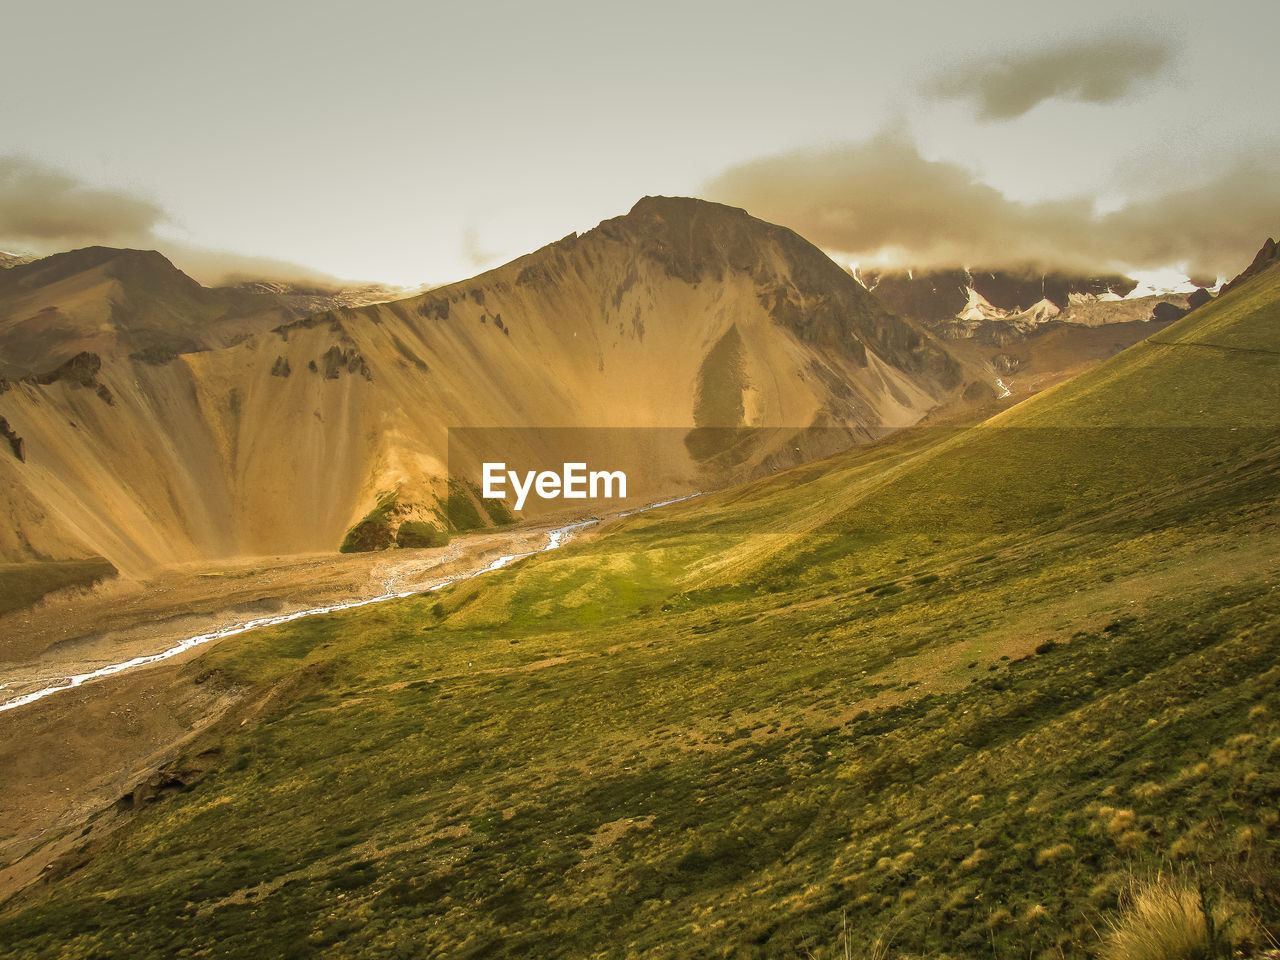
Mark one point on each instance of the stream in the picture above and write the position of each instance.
(556, 538)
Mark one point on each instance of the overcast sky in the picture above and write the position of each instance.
(411, 142)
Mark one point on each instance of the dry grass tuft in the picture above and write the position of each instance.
(1050, 854)
(1148, 791)
(1120, 822)
(1165, 920)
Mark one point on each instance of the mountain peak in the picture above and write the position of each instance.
(121, 263)
(1266, 256)
(682, 207)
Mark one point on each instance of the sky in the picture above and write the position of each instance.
(422, 142)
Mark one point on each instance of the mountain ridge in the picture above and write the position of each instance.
(281, 439)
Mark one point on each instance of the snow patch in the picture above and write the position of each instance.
(1159, 283)
(1040, 311)
(978, 308)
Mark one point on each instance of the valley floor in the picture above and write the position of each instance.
(73, 753)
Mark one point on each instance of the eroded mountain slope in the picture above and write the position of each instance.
(681, 314)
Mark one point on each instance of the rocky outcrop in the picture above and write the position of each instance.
(1198, 298)
(281, 367)
(16, 443)
(1264, 259)
(173, 777)
(1167, 313)
(336, 359)
(81, 370)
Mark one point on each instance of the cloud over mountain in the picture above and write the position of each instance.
(1096, 70)
(42, 206)
(44, 210)
(882, 201)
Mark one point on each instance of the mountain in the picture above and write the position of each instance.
(975, 690)
(165, 427)
(303, 299)
(119, 304)
(8, 259)
(1266, 257)
(936, 296)
(1028, 331)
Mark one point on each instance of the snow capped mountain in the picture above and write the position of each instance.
(978, 308)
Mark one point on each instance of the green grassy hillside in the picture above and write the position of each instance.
(954, 691)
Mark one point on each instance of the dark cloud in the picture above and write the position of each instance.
(1101, 70)
(40, 206)
(881, 201)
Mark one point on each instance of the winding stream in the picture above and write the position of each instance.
(556, 537)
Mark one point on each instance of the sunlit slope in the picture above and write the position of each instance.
(681, 314)
(1167, 411)
(952, 689)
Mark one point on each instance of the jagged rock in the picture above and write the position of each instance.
(171, 778)
(1198, 298)
(16, 443)
(82, 370)
(1265, 257)
(437, 307)
(281, 367)
(1001, 333)
(1167, 313)
(336, 359)
(154, 356)
(534, 273)
(1005, 364)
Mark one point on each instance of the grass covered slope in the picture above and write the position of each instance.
(955, 689)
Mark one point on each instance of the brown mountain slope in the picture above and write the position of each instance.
(120, 303)
(680, 314)
(117, 303)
